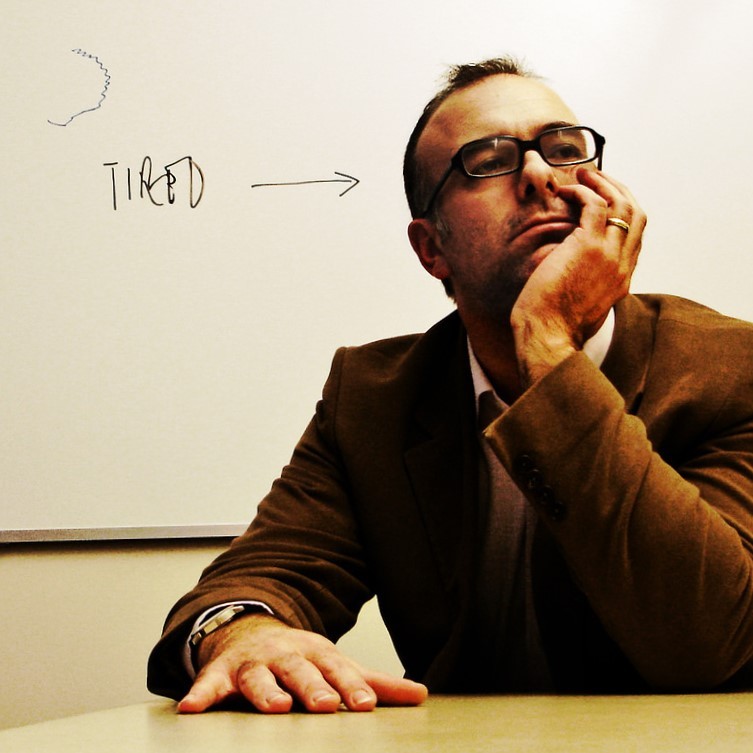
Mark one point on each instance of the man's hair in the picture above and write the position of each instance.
(417, 188)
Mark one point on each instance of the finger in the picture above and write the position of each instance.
(347, 678)
(620, 200)
(306, 683)
(615, 193)
(600, 199)
(616, 223)
(361, 689)
(259, 686)
(623, 207)
(210, 687)
(592, 205)
(599, 177)
(396, 691)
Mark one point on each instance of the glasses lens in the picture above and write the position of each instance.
(492, 157)
(568, 146)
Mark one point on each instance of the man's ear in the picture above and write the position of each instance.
(427, 244)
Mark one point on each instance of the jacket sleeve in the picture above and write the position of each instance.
(660, 544)
(301, 555)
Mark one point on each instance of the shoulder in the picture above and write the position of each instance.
(400, 359)
(684, 312)
(691, 331)
(669, 350)
(701, 361)
(383, 382)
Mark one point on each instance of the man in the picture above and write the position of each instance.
(549, 491)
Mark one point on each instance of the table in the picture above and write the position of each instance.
(445, 724)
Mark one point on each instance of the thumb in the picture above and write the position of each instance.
(210, 688)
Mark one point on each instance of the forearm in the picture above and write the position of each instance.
(301, 557)
(670, 577)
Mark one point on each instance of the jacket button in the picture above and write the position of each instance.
(533, 480)
(545, 496)
(558, 510)
(525, 464)
(553, 507)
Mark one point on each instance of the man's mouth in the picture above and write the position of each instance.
(557, 225)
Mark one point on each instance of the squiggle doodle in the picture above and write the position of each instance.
(85, 54)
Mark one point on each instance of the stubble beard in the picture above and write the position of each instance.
(493, 292)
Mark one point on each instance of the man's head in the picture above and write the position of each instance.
(417, 185)
(483, 237)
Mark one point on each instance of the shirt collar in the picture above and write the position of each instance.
(595, 348)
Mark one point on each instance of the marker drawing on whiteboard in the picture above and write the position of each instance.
(342, 179)
(103, 94)
(184, 173)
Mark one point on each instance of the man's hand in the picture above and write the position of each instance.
(273, 665)
(570, 293)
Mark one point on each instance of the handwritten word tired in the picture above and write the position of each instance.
(183, 174)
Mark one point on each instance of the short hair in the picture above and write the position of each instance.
(417, 188)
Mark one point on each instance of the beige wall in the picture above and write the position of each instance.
(78, 621)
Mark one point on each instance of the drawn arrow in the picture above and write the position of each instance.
(342, 179)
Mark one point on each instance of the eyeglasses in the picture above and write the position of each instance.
(502, 155)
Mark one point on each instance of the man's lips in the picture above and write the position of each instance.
(560, 225)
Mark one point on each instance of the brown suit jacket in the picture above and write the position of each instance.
(642, 473)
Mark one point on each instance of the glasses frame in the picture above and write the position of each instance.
(456, 163)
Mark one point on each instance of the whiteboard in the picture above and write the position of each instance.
(168, 322)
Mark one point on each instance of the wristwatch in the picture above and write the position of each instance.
(228, 614)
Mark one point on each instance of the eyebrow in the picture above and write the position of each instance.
(558, 124)
(550, 126)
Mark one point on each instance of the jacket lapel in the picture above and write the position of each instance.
(440, 456)
(441, 460)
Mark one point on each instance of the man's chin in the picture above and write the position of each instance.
(537, 246)
(538, 254)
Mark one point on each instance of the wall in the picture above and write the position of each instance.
(79, 621)
(159, 360)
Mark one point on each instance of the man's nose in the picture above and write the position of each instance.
(536, 177)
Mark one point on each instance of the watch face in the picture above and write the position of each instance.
(212, 623)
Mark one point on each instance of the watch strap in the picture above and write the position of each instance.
(223, 617)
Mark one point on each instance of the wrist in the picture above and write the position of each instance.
(214, 622)
(539, 349)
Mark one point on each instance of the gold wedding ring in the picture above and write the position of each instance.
(617, 222)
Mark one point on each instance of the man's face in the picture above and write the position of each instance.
(496, 230)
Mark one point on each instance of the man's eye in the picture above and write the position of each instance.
(492, 165)
(571, 150)
(495, 159)
(568, 151)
